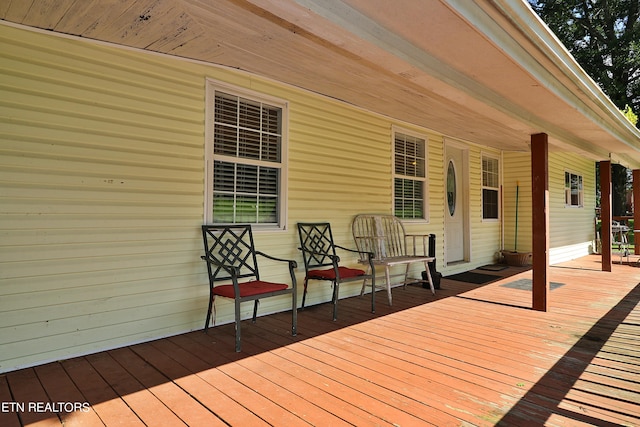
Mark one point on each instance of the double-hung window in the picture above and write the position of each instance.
(573, 193)
(409, 177)
(244, 158)
(490, 187)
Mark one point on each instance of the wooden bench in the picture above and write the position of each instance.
(385, 236)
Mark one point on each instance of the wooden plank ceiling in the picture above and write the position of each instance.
(422, 63)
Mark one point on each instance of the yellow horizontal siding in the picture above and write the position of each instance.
(517, 185)
(102, 188)
(102, 185)
(485, 234)
(571, 230)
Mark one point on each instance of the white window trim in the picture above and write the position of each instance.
(425, 186)
(211, 87)
(482, 186)
(580, 205)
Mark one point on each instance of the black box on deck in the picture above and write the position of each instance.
(435, 275)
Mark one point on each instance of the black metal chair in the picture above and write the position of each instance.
(319, 250)
(230, 255)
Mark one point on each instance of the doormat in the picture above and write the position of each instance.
(475, 278)
(494, 267)
(525, 285)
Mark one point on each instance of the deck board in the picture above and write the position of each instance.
(148, 407)
(104, 401)
(60, 388)
(168, 392)
(473, 355)
(27, 390)
(8, 415)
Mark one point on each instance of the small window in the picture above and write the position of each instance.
(245, 182)
(490, 187)
(573, 193)
(409, 177)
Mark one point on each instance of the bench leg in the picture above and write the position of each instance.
(406, 277)
(388, 278)
(426, 266)
(364, 282)
(373, 292)
(294, 312)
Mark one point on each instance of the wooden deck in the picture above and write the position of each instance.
(474, 355)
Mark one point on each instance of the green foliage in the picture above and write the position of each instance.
(630, 115)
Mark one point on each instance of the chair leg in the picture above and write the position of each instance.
(206, 322)
(304, 293)
(388, 278)
(238, 324)
(255, 310)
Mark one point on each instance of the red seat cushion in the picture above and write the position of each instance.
(330, 274)
(255, 287)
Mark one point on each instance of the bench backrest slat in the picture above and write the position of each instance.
(384, 235)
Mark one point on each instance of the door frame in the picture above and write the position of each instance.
(464, 197)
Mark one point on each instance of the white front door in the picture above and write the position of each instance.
(455, 205)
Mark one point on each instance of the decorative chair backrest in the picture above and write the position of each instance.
(230, 245)
(316, 242)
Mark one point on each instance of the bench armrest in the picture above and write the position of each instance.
(414, 238)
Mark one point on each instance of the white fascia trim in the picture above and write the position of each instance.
(525, 22)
